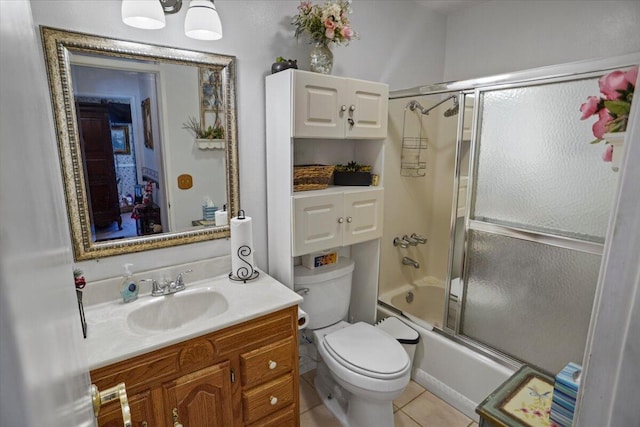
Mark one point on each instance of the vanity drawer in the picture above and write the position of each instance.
(266, 363)
(284, 418)
(268, 398)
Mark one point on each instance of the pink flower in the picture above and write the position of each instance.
(590, 107)
(329, 24)
(304, 6)
(632, 75)
(612, 83)
(346, 32)
(607, 156)
(600, 127)
(329, 33)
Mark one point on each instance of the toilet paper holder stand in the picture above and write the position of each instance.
(244, 274)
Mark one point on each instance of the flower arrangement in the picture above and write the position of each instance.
(327, 24)
(200, 132)
(613, 108)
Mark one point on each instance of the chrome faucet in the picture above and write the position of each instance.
(412, 241)
(400, 242)
(408, 261)
(167, 288)
(419, 238)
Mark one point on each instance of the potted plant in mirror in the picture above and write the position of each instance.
(211, 137)
(282, 64)
(352, 174)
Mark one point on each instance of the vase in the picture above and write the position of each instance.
(616, 140)
(321, 59)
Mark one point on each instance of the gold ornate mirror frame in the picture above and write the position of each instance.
(58, 45)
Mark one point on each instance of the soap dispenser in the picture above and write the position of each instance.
(129, 287)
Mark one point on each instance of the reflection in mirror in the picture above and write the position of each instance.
(135, 177)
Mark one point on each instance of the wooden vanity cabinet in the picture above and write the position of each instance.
(244, 375)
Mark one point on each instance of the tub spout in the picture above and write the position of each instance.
(409, 261)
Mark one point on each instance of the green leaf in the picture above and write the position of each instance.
(619, 108)
(595, 141)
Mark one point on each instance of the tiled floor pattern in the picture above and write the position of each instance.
(415, 408)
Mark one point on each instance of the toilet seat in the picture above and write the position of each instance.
(368, 351)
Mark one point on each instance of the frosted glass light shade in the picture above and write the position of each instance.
(202, 21)
(145, 14)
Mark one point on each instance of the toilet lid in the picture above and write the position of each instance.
(368, 351)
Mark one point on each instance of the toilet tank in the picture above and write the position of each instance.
(326, 292)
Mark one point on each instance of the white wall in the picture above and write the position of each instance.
(401, 44)
(508, 35)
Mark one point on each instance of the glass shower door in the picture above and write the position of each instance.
(540, 200)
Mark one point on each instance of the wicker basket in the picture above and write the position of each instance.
(311, 177)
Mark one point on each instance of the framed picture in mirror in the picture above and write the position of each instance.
(120, 140)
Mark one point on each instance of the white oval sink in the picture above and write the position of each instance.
(176, 310)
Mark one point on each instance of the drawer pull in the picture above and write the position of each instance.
(273, 400)
(272, 364)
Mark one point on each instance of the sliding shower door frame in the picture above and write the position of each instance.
(477, 87)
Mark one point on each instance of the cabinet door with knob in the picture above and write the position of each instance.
(338, 107)
(337, 217)
(201, 398)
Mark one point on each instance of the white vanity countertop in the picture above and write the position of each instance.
(110, 339)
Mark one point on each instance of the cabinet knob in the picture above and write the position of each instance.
(352, 108)
(349, 219)
(272, 364)
(273, 400)
(343, 108)
(340, 220)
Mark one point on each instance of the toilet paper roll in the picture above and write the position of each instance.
(242, 265)
(303, 319)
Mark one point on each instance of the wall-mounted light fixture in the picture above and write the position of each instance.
(202, 21)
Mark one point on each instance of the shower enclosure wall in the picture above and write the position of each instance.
(514, 202)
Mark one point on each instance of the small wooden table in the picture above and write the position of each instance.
(523, 400)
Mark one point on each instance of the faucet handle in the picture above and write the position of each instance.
(179, 280)
(156, 289)
(400, 242)
(412, 241)
(419, 238)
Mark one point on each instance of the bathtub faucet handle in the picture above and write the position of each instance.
(411, 240)
(400, 242)
(420, 239)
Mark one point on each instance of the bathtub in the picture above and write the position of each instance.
(455, 373)
(422, 302)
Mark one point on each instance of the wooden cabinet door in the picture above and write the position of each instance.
(367, 109)
(201, 399)
(141, 412)
(100, 173)
(317, 222)
(363, 212)
(319, 107)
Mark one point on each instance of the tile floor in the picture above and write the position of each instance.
(415, 408)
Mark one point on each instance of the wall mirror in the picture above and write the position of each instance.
(135, 176)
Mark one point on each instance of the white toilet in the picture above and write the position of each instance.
(361, 368)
